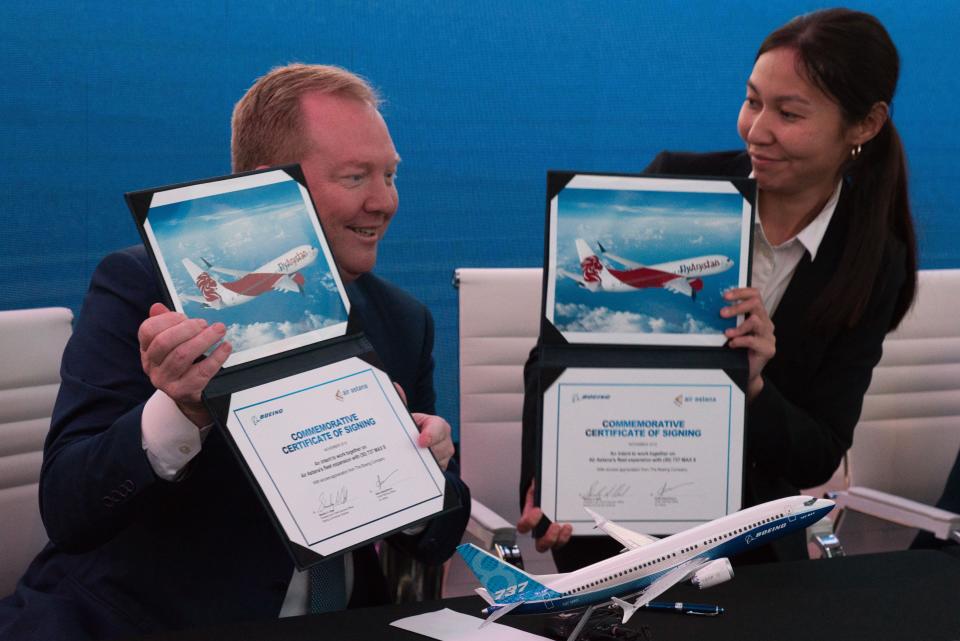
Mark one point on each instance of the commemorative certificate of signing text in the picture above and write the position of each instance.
(336, 455)
(656, 450)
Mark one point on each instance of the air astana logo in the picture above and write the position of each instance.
(207, 286)
(696, 268)
(591, 269)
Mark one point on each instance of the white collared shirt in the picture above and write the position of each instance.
(773, 266)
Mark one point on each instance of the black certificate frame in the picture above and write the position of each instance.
(348, 342)
(556, 353)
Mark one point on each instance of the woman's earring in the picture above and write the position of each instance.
(855, 152)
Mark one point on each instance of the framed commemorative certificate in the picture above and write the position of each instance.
(641, 405)
(335, 454)
(308, 409)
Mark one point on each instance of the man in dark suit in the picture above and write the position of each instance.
(152, 522)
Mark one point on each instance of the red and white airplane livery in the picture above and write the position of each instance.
(280, 274)
(680, 276)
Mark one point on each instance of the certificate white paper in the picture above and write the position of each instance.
(335, 454)
(657, 450)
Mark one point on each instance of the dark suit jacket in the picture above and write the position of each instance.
(801, 424)
(131, 553)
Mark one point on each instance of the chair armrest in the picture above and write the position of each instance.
(494, 533)
(489, 527)
(823, 537)
(889, 507)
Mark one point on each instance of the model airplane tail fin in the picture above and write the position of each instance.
(504, 583)
(207, 284)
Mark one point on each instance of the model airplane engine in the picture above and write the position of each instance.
(713, 573)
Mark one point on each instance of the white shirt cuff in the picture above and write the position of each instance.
(169, 438)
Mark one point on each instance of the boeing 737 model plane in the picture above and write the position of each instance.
(646, 568)
(280, 274)
(680, 276)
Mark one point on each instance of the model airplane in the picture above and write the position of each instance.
(680, 276)
(280, 274)
(646, 568)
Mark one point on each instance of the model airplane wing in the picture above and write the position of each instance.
(499, 612)
(627, 538)
(659, 586)
(679, 285)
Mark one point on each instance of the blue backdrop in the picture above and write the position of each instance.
(99, 98)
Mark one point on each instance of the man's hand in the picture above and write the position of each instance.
(169, 344)
(435, 434)
(755, 333)
(557, 534)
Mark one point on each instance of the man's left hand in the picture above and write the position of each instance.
(435, 434)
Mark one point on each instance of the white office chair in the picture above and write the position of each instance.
(31, 343)
(909, 432)
(499, 324)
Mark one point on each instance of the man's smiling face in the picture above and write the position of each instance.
(350, 169)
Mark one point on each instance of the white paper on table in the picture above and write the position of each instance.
(448, 625)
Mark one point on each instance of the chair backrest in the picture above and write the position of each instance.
(499, 324)
(31, 343)
(909, 431)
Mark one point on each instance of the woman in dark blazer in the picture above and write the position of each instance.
(834, 263)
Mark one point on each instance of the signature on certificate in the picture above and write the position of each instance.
(598, 492)
(334, 499)
(664, 494)
(381, 482)
(667, 490)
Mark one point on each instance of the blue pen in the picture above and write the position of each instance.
(702, 609)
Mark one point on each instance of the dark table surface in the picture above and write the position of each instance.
(910, 595)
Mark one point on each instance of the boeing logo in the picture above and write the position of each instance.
(261, 417)
(590, 397)
(750, 538)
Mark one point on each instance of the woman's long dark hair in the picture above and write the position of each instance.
(851, 58)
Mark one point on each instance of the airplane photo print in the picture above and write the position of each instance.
(253, 258)
(642, 260)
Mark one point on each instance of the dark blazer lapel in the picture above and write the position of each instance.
(790, 320)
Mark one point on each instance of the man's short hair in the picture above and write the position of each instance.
(267, 122)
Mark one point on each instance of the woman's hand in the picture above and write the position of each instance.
(755, 333)
(557, 534)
